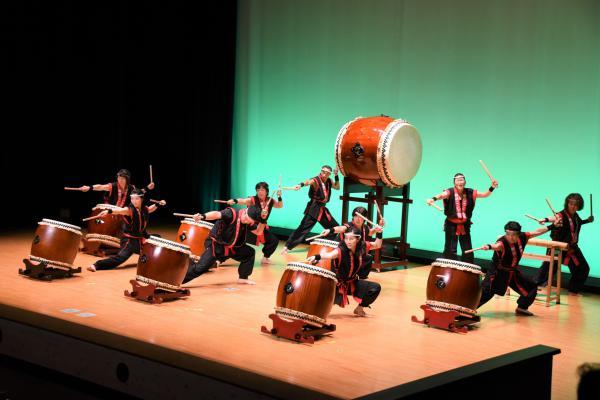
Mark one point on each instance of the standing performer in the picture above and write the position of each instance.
(569, 233)
(227, 239)
(135, 216)
(118, 193)
(260, 232)
(459, 202)
(316, 211)
(504, 272)
(350, 269)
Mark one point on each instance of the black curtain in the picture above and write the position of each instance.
(92, 87)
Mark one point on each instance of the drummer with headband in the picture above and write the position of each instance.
(459, 202)
(119, 192)
(227, 239)
(260, 232)
(569, 233)
(504, 271)
(136, 218)
(319, 193)
(350, 269)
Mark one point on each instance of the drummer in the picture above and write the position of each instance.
(459, 202)
(319, 193)
(504, 272)
(118, 193)
(358, 223)
(260, 232)
(227, 239)
(135, 216)
(349, 267)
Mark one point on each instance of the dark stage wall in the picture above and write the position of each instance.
(92, 87)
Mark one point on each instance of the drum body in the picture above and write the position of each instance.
(306, 292)
(163, 263)
(194, 234)
(454, 286)
(106, 230)
(319, 244)
(56, 243)
(378, 149)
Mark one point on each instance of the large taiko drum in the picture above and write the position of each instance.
(163, 263)
(378, 149)
(454, 286)
(106, 230)
(56, 244)
(306, 293)
(194, 234)
(319, 244)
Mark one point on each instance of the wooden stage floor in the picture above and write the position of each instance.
(218, 327)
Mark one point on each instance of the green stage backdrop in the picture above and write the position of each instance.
(515, 83)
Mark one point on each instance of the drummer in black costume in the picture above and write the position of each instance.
(136, 217)
(118, 193)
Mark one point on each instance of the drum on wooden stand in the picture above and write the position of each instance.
(107, 230)
(454, 286)
(374, 149)
(161, 267)
(317, 245)
(306, 292)
(54, 248)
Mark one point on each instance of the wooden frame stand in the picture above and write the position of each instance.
(298, 331)
(98, 249)
(152, 293)
(44, 272)
(383, 195)
(449, 320)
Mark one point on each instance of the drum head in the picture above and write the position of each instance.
(399, 153)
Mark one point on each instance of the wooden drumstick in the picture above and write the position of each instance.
(591, 206)
(533, 218)
(156, 201)
(487, 171)
(93, 217)
(484, 247)
(435, 206)
(550, 205)
(73, 189)
(368, 220)
(280, 178)
(378, 209)
(288, 188)
(183, 215)
(221, 201)
(316, 236)
(151, 178)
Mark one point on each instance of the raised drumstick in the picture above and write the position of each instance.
(533, 218)
(378, 209)
(183, 215)
(288, 188)
(73, 189)
(473, 250)
(591, 206)
(550, 205)
(151, 179)
(487, 171)
(368, 220)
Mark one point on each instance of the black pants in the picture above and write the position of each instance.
(365, 290)
(451, 244)
(306, 225)
(579, 273)
(270, 244)
(128, 247)
(498, 281)
(244, 254)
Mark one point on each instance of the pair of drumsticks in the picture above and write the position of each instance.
(487, 171)
(79, 189)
